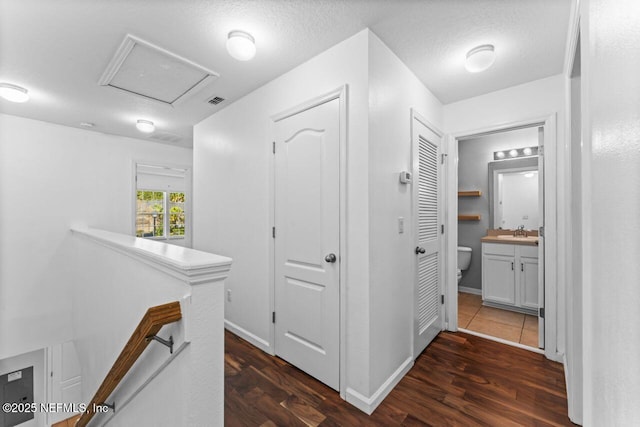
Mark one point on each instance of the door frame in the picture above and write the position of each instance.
(549, 124)
(340, 93)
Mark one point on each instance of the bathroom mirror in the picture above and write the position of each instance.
(513, 194)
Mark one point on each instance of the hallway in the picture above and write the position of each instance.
(458, 380)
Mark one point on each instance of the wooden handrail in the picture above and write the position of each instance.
(154, 319)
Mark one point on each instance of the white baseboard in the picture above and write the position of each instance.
(248, 336)
(369, 404)
(473, 291)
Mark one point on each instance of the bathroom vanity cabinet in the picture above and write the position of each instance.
(510, 276)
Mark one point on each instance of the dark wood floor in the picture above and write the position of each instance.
(459, 380)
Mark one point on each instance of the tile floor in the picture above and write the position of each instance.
(508, 325)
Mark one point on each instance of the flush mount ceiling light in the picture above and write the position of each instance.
(241, 45)
(145, 126)
(13, 93)
(480, 58)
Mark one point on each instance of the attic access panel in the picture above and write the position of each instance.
(143, 69)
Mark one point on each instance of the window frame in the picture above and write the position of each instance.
(181, 240)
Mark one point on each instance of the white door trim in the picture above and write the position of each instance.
(548, 122)
(340, 93)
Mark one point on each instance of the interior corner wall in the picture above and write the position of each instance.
(393, 91)
(53, 177)
(533, 100)
(232, 196)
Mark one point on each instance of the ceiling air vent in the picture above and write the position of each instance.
(215, 100)
(141, 68)
(166, 137)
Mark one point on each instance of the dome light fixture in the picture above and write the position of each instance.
(13, 93)
(241, 45)
(145, 126)
(480, 58)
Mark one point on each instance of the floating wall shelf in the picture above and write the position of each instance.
(473, 193)
(471, 217)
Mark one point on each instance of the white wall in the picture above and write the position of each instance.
(611, 202)
(393, 91)
(51, 177)
(526, 101)
(533, 100)
(232, 200)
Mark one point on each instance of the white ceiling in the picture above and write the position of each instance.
(60, 49)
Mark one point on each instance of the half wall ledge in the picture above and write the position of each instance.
(189, 265)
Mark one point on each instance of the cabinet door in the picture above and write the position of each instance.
(529, 282)
(498, 279)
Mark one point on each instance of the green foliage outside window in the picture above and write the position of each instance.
(150, 213)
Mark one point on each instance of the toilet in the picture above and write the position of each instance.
(464, 259)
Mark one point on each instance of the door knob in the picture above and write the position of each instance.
(330, 258)
(419, 250)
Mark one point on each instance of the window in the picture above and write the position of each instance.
(161, 202)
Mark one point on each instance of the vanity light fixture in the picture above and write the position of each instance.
(515, 153)
(145, 126)
(13, 93)
(241, 45)
(480, 58)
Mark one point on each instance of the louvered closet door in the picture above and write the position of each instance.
(428, 309)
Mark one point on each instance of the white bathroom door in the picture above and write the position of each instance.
(427, 201)
(307, 241)
(541, 239)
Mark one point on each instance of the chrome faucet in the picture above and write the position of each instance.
(520, 232)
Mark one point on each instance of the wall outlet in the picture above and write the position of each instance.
(229, 295)
(400, 225)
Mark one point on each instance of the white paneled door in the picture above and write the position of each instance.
(427, 201)
(307, 240)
